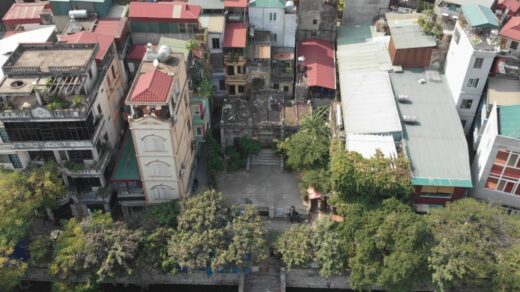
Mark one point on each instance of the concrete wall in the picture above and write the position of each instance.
(459, 69)
(359, 11)
(317, 20)
(488, 148)
(284, 26)
(290, 24)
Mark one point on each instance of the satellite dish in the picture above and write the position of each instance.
(301, 59)
(155, 63)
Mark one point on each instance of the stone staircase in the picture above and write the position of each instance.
(266, 157)
(267, 279)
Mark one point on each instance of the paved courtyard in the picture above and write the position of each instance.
(263, 186)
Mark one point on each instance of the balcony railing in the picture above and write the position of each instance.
(237, 77)
(233, 58)
(94, 169)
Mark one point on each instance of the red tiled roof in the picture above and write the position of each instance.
(136, 52)
(88, 37)
(235, 3)
(319, 60)
(152, 86)
(513, 5)
(512, 28)
(235, 35)
(25, 13)
(164, 11)
(111, 27)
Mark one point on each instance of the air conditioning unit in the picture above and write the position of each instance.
(410, 119)
(402, 98)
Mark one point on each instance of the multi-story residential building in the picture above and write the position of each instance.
(273, 39)
(473, 48)
(510, 35)
(26, 13)
(317, 19)
(60, 103)
(434, 141)
(160, 122)
(235, 40)
(357, 12)
(496, 166)
(149, 21)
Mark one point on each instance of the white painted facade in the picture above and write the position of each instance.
(467, 70)
(491, 143)
(281, 25)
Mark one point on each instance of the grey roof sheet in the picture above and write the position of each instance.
(487, 3)
(406, 32)
(208, 4)
(367, 99)
(436, 144)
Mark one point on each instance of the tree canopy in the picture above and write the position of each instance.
(355, 178)
(212, 234)
(475, 245)
(93, 250)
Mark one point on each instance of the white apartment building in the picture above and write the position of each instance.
(473, 48)
(276, 16)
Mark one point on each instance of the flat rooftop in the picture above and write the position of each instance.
(406, 32)
(435, 143)
(509, 121)
(503, 91)
(45, 56)
(367, 99)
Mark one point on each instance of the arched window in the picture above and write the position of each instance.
(153, 143)
(159, 168)
(162, 192)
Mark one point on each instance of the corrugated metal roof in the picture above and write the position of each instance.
(367, 99)
(235, 3)
(25, 11)
(509, 121)
(236, 35)
(267, 3)
(512, 28)
(126, 168)
(486, 3)
(88, 37)
(435, 143)
(173, 11)
(214, 23)
(406, 32)
(208, 4)
(111, 27)
(366, 145)
(479, 16)
(320, 63)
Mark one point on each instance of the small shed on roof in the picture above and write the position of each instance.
(409, 46)
(479, 16)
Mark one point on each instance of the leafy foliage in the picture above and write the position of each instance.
(319, 178)
(474, 244)
(164, 215)
(40, 250)
(94, 249)
(11, 271)
(355, 178)
(212, 234)
(302, 245)
(215, 162)
(309, 147)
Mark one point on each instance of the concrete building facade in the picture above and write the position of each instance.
(473, 48)
(317, 19)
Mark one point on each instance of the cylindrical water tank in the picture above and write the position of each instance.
(78, 14)
(164, 53)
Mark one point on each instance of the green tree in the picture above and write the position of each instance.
(93, 250)
(319, 178)
(11, 271)
(303, 244)
(387, 246)
(309, 147)
(474, 243)
(215, 162)
(164, 214)
(248, 146)
(354, 178)
(212, 234)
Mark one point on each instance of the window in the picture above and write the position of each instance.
(456, 36)
(4, 158)
(215, 43)
(473, 83)
(100, 112)
(286, 88)
(241, 89)
(196, 110)
(41, 156)
(466, 103)
(230, 70)
(188, 125)
(276, 86)
(198, 130)
(478, 63)
(314, 21)
(113, 70)
(272, 16)
(80, 155)
(275, 37)
(158, 168)
(514, 45)
(182, 28)
(162, 192)
(153, 143)
(105, 137)
(436, 192)
(314, 34)
(463, 122)
(505, 173)
(222, 84)
(231, 90)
